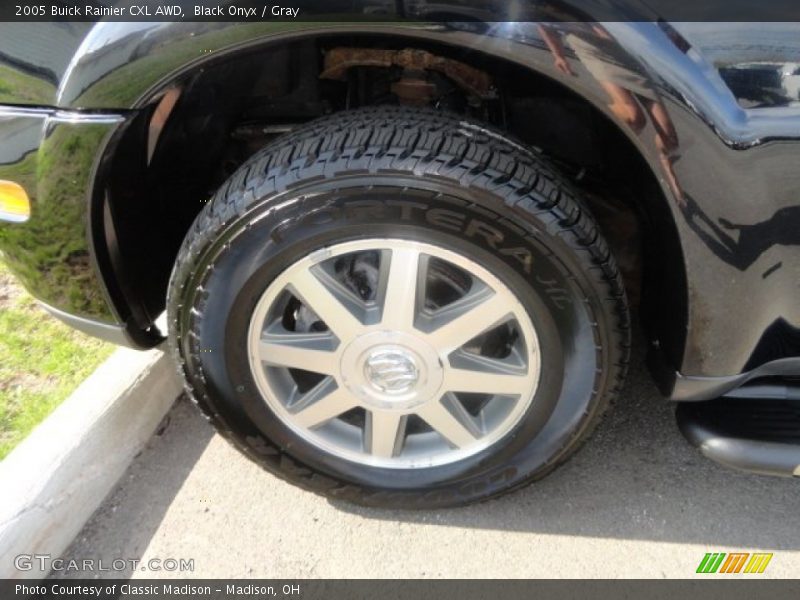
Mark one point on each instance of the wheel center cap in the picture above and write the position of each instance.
(391, 370)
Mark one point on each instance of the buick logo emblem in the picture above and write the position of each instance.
(391, 371)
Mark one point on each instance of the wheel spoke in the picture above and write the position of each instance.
(400, 299)
(384, 433)
(307, 351)
(316, 295)
(480, 382)
(482, 315)
(321, 404)
(452, 422)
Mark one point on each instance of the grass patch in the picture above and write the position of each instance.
(42, 363)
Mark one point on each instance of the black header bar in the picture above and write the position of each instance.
(478, 11)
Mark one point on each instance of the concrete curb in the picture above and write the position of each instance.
(55, 479)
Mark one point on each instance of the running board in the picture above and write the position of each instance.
(759, 435)
(768, 391)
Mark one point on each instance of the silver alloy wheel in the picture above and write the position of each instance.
(375, 370)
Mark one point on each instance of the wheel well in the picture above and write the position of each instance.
(185, 144)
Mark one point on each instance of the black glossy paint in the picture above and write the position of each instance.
(53, 156)
(729, 174)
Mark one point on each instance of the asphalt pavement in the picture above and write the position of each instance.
(636, 501)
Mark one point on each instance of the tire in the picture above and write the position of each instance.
(491, 227)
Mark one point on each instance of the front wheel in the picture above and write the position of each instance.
(399, 308)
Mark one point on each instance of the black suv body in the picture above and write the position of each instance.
(682, 141)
